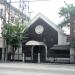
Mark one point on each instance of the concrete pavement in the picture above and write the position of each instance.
(35, 69)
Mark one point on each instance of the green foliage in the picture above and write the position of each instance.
(13, 33)
(65, 23)
(66, 12)
(73, 43)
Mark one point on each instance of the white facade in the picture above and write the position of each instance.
(1, 42)
(62, 39)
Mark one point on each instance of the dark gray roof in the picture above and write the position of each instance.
(60, 47)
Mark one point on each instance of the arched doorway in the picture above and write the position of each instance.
(39, 54)
(35, 54)
(42, 53)
(38, 51)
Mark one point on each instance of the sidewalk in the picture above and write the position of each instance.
(35, 69)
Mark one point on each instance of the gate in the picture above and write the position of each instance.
(39, 54)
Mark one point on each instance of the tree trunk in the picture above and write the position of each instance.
(3, 50)
(13, 54)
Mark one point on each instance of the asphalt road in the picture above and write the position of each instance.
(36, 69)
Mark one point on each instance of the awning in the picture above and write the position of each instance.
(35, 43)
(60, 47)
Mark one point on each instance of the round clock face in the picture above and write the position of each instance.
(39, 29)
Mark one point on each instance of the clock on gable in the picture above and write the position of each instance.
(39, 29)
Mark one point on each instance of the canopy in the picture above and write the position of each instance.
(61, 47)
(35, 43)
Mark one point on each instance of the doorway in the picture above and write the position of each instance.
(42, 54)
(39, 54)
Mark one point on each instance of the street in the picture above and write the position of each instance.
(36, 69)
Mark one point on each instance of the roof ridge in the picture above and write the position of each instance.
(40, 15)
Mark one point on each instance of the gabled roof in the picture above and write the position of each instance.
(54, 26)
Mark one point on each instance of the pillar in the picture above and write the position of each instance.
(38, 57)
(32, 53)
(72, 55)
(23, 57)
(3, 54)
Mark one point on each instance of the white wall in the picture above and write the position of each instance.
(62, 39)
(1, 25)
(1, 42)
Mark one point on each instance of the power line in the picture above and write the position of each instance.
(24, 6)
(28, 1)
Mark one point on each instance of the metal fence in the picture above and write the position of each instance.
(39, 58)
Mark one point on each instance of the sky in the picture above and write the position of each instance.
(49, 8)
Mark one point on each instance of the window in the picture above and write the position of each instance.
(68, 38)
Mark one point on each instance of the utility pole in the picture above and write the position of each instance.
(4, 42)
(24, 7)
(72, 26)
(72, 37)
(9, 12)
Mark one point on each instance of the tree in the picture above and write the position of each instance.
(66, 12)
(73, 43)
(13, 34)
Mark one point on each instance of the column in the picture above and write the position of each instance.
(38, 57)
(32, 52)
(3, 51)
(23, 57)
(72, 55)
(3, 54)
